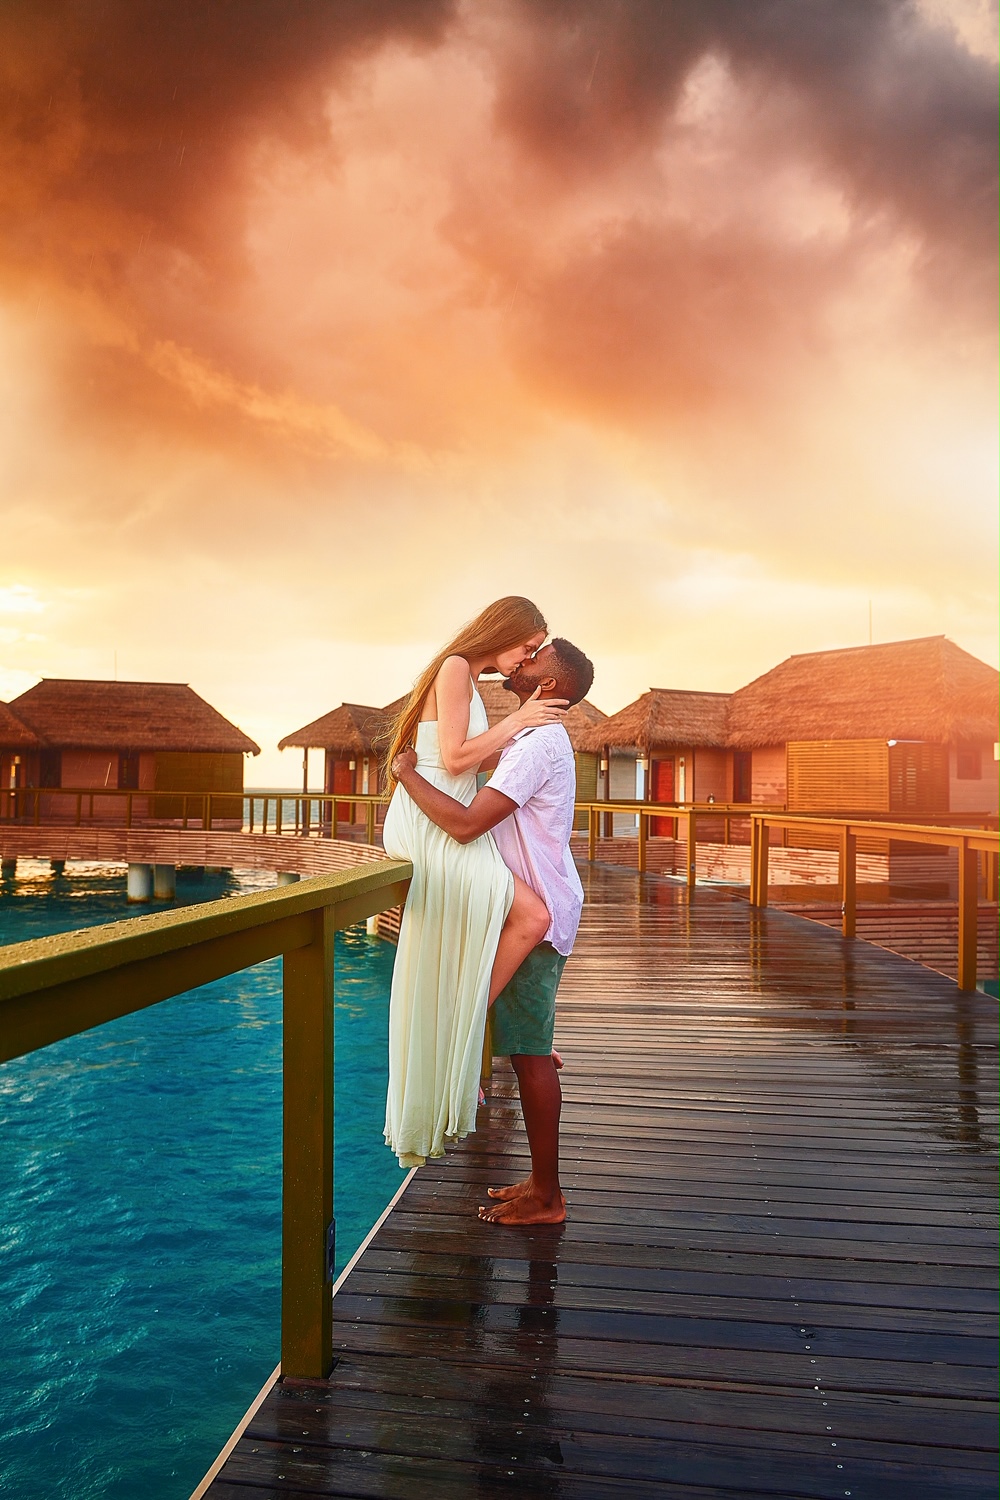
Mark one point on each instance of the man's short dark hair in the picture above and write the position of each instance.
(576, 671)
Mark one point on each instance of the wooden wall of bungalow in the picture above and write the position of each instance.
(98, 736)
(353, 738)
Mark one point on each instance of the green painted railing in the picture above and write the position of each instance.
(56, 987)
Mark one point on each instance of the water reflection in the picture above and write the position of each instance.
(518, 1436)
(914, 1032)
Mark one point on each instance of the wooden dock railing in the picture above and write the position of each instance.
(305, 815)
(56, 987)
(969, 842)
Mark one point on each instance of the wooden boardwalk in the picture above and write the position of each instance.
(776, 1279)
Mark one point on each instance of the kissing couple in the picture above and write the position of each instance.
(494, 903)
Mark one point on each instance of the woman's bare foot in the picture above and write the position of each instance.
(526, 1209)
(557, 1058)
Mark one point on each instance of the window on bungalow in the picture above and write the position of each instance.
(128, 770)
(50, 768)
(743, 776)
(969, 763)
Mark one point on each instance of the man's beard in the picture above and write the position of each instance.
(524, 681)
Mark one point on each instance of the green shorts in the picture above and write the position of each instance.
(524, 1012)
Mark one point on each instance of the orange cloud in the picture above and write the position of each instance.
(304, 307)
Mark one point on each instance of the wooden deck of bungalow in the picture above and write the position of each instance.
(777, 1274)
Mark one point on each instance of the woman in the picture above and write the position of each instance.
(468, 922)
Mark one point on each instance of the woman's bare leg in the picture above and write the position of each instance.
(527, 923)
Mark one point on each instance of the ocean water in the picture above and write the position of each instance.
(140, 1177)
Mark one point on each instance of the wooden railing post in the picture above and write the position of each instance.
(691, 848)
(848, 874)
(992, 867)
(592, 816)
(486, 1070)
(307, 1156)
(370, 823)
(763, 851)
(968, 915)
(643, 835)
(754, 862)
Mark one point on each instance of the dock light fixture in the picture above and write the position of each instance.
(604, 765)
(890, 743)
(711, 798)
(351, 765)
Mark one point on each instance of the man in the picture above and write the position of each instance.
(528, 804)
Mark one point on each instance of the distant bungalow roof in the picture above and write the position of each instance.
(663, 716)
(347, 730)
(356, 729)
(15, 735)
(924, 689)
(88, 714)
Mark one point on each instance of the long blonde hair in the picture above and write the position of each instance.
(508, 622)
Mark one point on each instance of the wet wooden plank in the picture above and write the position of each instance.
(778, 1273)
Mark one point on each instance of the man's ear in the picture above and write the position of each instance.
(548, 684)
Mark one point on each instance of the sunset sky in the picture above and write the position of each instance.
(322, 325)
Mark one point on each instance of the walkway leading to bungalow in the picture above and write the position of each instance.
(776, 1279)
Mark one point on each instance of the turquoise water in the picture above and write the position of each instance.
(140, 1174)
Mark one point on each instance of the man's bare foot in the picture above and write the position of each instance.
(526, 1209)
(516, 1190)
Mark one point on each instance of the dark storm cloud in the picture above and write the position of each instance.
(897, 107)
(123, 120)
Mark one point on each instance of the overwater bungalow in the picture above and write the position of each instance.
(17, 744)
(352, 738)
(905, 727)
(669, 746)
(347, 736)
(97, 736)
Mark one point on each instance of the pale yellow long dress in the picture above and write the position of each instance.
(458, 899)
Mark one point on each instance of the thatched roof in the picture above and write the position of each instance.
(581, 720)
(354, 729)
(346, 731)
(96, 715)
(926, 689)
(14, 735)
(663, 717)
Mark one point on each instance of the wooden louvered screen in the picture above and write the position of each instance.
(850, 776)
(196, 772)
(918, 778)
(586, 784)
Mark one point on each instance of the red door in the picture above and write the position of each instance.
(661, 789)
(343, 781)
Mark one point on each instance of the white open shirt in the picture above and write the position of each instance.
(538, 772)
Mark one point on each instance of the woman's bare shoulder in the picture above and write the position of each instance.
(453, 673)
